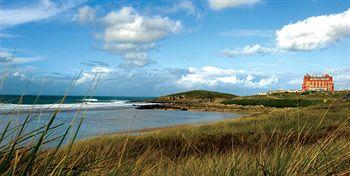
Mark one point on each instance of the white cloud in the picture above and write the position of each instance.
(314, 32)
(223, 4)
(121, 48)
(265, 82)
(342, 81)
(310, 34)
(33, 12)
(134, 55)
(208, 76)
(249, 50)
(341, 77)
(297, 81)
(86, 14)
(20, 75)
(88, 76)
(103, 70)
(127, 25)
(85, 78)
(213, 76)
(130, 34)
(5, 57)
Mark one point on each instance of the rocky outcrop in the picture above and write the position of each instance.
(202, 101)
(198, 105)
(161, 106)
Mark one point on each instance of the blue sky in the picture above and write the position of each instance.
(151, 48)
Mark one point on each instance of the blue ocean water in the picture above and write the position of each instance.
(51, 99)
(49, 103)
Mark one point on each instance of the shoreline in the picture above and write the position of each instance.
(246, 111)
(144, 131)
(205, 106)
(155, 129)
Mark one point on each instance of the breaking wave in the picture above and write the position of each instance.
(87, 104)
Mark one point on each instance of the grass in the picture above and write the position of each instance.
(305, 95)
(21, 149)
(271, 102)
(310, 140)
(293, 100)
(199, 94)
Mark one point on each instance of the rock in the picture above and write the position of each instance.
(161, 106)
(153, 106)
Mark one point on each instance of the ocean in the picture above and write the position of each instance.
(102, 115)
(50, 102)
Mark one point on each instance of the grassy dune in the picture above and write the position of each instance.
(196, 94)
(312, 140)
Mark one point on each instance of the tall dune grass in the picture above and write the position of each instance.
(21, 148)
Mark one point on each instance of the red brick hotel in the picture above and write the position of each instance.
(318, 83)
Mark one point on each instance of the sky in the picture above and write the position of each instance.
(152, 48)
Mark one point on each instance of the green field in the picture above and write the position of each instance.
(312, 140)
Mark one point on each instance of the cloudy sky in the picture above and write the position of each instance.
(151, 48)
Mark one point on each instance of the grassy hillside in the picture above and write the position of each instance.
(281, 100)
(198, 94)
